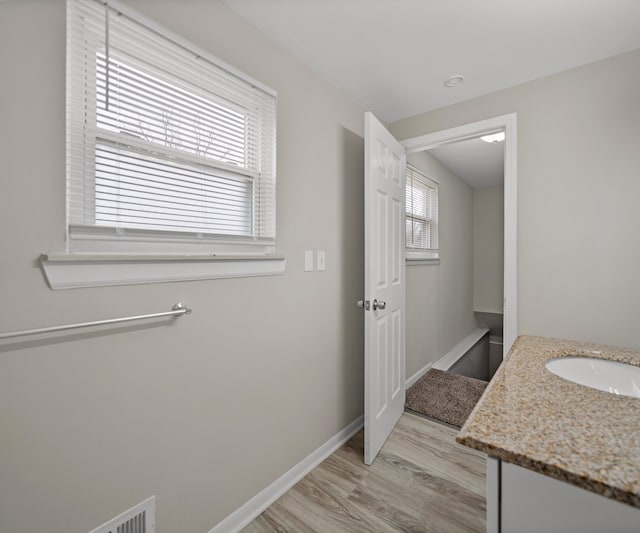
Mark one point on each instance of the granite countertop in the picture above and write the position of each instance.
(530, 417)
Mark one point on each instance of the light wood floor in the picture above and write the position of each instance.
(421, 481)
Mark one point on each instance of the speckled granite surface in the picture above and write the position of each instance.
(530, 417)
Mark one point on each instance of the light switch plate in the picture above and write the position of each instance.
(308, 260)
(321, 259)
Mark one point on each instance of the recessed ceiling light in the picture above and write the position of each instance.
(453, 81)
(493, 137)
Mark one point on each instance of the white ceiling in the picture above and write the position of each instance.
(478, 163)
(393, 56)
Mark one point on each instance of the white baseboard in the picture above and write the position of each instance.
(410, 381)
(450, 358)
(241, 517)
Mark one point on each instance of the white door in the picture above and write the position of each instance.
(384, 280)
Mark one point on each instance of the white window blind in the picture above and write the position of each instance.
(169, 149)
(421, 222)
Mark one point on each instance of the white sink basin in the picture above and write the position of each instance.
(608, 376)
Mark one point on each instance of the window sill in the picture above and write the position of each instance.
(422, 257)
(419, 262)
(70, 271)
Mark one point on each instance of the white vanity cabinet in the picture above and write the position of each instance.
(523, 501)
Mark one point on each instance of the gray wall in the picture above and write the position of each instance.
(206, 411)
(476, 362)
(578, 190)
(488, 249)
(440, 296)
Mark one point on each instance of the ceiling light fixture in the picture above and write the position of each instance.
(493, 137)
(454, 81)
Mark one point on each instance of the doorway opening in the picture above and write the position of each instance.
(443, 144)
(486, 162)
(464, 292)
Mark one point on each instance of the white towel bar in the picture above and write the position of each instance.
(177, 310)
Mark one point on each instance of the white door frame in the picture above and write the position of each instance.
(506, 123)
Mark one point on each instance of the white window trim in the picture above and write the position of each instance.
(172, 262)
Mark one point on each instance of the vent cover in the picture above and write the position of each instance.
(138, 519)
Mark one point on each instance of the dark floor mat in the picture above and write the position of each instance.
(445, 396)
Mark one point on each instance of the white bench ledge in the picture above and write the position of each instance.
(69, 271)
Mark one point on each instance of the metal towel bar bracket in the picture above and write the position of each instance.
(177, 310)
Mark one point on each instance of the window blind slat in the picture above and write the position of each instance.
(145, 165)
(120, 181)
(146, 115)
(178, 187)
(138, 83)
(142, 49)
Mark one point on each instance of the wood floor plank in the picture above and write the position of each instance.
(421, 481)
(313, 508)
(399, 473)
(440, 454)
(412, 508)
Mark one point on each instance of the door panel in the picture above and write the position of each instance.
(385, 164)
(396, 241)
(397, 373)
(381, 265)
(381, 360)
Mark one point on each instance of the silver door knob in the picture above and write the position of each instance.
(365, 304)
(379, 305)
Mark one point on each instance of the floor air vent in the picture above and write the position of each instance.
(138, 519)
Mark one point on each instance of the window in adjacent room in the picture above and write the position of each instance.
(421, 215)
(169, 150)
